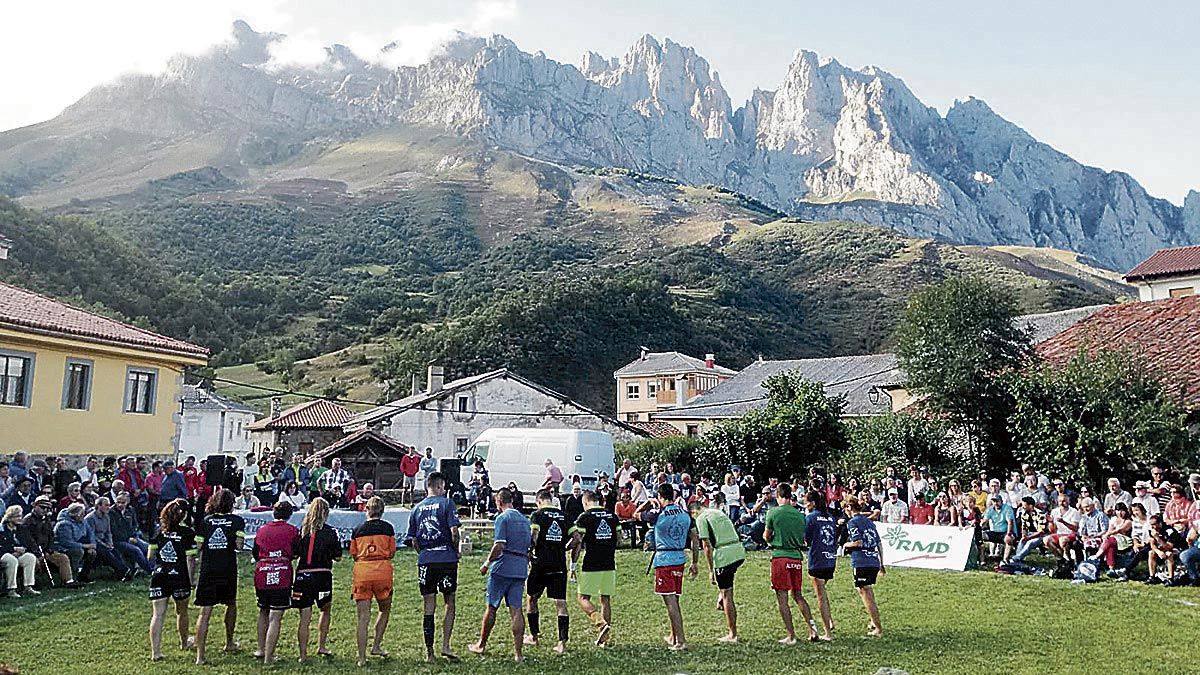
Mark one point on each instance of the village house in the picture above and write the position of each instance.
(369, 456)
(658, 381)
(5, 247)
(1168, 273)
(74, 383)
(448, 416)
(302, 428)
(212, 424)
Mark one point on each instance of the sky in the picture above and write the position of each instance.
(1113, 84)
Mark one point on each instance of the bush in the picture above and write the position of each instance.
(678, 450)
(899, 441)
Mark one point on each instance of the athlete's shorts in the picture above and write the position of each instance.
(437, 578)
(787, 574)
(273, 598)
(668, 580)
(824, 574)
(371, 589)
(865, 576)
(312, 588)
(216, 590)
(169, 586)
(553, 584)
(725, 574)
(509, 590)
(600, 582)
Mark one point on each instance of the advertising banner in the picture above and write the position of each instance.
(931, 547)
(343, 522)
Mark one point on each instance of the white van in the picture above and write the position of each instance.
(519, 455)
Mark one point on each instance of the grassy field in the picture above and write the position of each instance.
(934, 622)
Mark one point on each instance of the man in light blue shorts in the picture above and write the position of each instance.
(506, 568)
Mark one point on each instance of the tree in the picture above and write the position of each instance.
(800, 426)
(1098, 416)
(954, 340)
(676, 450)
(898, 440)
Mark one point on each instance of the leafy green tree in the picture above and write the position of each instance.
(677, 450)
(898, 440)
(954, 340)
(800, 426)
(1100, 415)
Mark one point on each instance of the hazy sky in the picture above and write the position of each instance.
(1113, 84)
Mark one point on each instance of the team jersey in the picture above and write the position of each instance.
(821, 534)
(171, 552)
(550, 540)
(219, 533)
(512, 528)
(318, 551)
(861, 528)
(372, 546)
(787, 526)
(713, 526)
(429, 528)
(671, 527)
(274, 547)
(599, 528)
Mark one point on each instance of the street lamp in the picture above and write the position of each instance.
(873, 395)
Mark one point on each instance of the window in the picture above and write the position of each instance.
(461, 444)
(671, 384)
(77, 385)
(16, 378)
(651, 389)
(141, 391)
(462, 404)
(306, 448)
(1183, 292)
(693, 430)
(631, 417)
(632, 392)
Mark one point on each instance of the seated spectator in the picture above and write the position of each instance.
(1145, 498)
(73, 538)
(88, 496)
(1064, 521)
(920, 513)
(74, 495)
(293, 495)
(1034, 526)
(945, 513)
(337, 499)
(38, 531)
(634, 529)
(700, 496)
(126, 535)
(100, 526)
(979, 494)
(1093, 526)
(21, 494)
(572, 506)
(877, 493)
(1190, 557)
(1115, 496)
(246, 501)
(1176, 512)
(1166, 543)
(894, 510)
(15, 559)
(360, 500)
(867, 501)
(6, 481)
(1001, 525)
(754, 522)
(1140, 533)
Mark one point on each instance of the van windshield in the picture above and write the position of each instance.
(477, 451)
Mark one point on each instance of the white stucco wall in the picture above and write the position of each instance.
(201, 433)
(1160, 289)
(441, 428)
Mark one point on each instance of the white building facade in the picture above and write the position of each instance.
(1168, 273)
(212, 424)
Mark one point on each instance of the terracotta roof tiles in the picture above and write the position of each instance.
(315, 414)
(1167, 262)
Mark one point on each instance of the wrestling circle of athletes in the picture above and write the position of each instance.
(531, 557)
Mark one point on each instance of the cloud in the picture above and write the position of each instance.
(414, 44)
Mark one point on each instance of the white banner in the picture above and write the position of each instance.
(931, 547)
(343, 522)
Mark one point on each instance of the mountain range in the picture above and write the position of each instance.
(830, 142)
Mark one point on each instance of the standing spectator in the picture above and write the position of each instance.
(190, 475)
(201, 491)
(126, 537)
(1115, 496)
(316, 471)
(920, 513)
(1002, 527)
(335, 477)
(733, 498)
(38, 531)
(894, 510)
(637, 489)
(134, 481)
(553, 478)
(1194, 487)
(296, 472)
(573, 506)
(100, 525)
(410, 465)
(1160, 487)
(15, 556)
(40, 475)
(625, 473)
(250, 471)
(73, 538)
(63, 477)
(429, 466)
(917, 484)
(174, 484)
(834, 492)
(6, 481)
(265, 487)
(1034, 527)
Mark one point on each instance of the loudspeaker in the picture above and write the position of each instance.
(214, 470)
(451, 468)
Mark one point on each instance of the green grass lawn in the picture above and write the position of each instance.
(934, 622)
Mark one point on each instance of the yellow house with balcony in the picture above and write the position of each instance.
(77, 383)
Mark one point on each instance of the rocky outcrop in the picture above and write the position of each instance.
(829, 141)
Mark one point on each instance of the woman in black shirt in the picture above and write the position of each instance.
(316, 550)
(173, 554)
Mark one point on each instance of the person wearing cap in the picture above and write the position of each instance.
(1115, 495)
(40, 475)
(894, 510)
(174, 484)
(1142, 496)
(38, 533)
(1034, 527)
(921, 511)
(1193, 493)
(1002, 526)
(21, 494)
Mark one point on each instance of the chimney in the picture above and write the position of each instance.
(436, 379)
(276, 407)
(645, 353)
(681, 383)
(416, 385)
(710, 360)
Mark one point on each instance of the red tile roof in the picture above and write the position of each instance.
(1167, 262)
(21, 308)
(316, 414)
(655, 429)
(1165, 333)
(341, 444)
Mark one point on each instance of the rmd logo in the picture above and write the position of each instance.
(898, 538)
